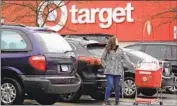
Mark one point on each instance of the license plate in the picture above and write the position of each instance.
(64, 68)
(100, 70)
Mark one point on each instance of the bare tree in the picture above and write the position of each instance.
(33, 10)
(167, 16)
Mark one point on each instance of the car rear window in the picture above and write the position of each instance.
(137, 56)
(53, 42)
(134, 47)
(96, 49)
(143, 55)
(99, 38)
(133, 58)
(157, 51)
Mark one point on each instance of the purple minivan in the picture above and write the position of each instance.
(37, 62)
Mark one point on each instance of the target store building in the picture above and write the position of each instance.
(130, 21)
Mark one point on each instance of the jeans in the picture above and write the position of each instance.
(112, 81)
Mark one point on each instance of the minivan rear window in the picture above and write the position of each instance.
(53, 42)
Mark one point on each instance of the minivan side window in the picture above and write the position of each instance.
(157, 51)
(11, 40)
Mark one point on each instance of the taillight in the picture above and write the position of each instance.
(85, 59)
(90, 60)
(38, 62)
(97, 61)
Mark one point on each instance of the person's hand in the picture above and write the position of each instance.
(135, 66)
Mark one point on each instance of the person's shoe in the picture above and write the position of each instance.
(117, 103)
(106, 103)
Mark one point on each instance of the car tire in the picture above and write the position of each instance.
(47, 99)
(148, 92)
(172, 89)
(12, 87)
(70, 97)
(97, 95)
(129, 87)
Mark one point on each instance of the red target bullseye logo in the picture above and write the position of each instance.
(52, 15)
(145, 79)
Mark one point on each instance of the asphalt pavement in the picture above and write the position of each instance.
(168, 99)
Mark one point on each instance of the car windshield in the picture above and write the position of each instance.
(53, 42)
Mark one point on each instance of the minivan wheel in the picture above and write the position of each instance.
(148, 92)
(47, 99)
(70, 97)
(129, 87)
(11, 92)
(98, 95)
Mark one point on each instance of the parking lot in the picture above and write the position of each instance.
(67, 52)
(168, 99)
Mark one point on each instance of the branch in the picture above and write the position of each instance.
(39, 8)
(172, 10)
(37, 4)
(46, 15)
(23, 4)
(65, 3)
(166, 22)
(17, 9)
(163, 23)
(29, 23)
(166, 17)
(66, 27)
(70, 29)
(21, 17)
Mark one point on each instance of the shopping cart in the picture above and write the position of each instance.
(148, 75)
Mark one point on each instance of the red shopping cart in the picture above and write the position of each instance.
(149, 75)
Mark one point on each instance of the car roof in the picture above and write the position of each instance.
(12, 25)
(156, 43)
(89, 34)
(81, 41)
(21, 26)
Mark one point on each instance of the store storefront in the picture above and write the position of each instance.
(130, 21)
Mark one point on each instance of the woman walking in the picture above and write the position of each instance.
(111, 60)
